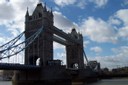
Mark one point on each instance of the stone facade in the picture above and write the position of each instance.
(42, 47)
(75, 52)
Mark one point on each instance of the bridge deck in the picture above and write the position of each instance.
(10, 66)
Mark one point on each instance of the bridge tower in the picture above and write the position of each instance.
(42, 47)
(75, 51)
(50, 72)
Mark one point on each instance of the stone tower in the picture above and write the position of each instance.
(75, 51)
(42, 47)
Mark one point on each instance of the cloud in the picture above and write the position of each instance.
(12, 13)
(86, 43)
(96, 49)
(122, 15)
(123, 32)
(57, 46)
(118, 59)
(99, 3)
(62, 56)
(98, 30)
(62, 22)
(81, 3)
(63, 3)
(114, 21)
(120, 21)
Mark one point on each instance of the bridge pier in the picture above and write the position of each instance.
(49, 75)
(41, 82)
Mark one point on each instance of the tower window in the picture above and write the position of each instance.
(40, 15)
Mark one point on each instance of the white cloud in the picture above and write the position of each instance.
(98, 30)
(58, 46)
(62, 56)
(63, 3)
(120, 19)
(62, 22)
(122, 15)
(81, 3)
(86, 43)
(123, 32)
(118, 59)
(114, 21)
(96, 49)
(99, 3)
(12, 13)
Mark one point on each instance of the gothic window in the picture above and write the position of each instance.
(40, 15)
(75, 36)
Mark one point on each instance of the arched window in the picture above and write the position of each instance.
(40, 15)
(34, 60)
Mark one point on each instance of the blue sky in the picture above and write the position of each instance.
(103, 23)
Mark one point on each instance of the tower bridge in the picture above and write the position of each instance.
(38, 45)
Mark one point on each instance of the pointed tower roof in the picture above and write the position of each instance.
(39, 9)
(27, 13)
(45, 9)
(51, 11)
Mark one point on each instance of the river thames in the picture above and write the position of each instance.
(101, 82)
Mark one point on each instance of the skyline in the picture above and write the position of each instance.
(103, 23)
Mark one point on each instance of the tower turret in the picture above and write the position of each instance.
(27, 15)
(42, 47)
(75, 51)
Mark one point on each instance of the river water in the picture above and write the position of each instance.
(112, 82)
(101, 82)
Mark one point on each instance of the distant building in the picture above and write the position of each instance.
(94, 65)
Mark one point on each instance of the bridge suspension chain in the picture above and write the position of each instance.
(10, 43)
(85, 56)
(12, 48)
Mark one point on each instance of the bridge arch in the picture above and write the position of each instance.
(34, 60)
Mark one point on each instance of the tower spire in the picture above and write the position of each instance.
(45, 9)
(51, 11)
(27, 13)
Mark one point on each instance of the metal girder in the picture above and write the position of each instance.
(64, 35)
(60, 40)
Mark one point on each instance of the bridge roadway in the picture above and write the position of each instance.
(11, 66)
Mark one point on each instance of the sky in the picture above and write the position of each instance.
(103, 24)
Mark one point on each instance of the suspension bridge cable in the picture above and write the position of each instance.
(85, 56)
(11, 42)
(20, 47)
